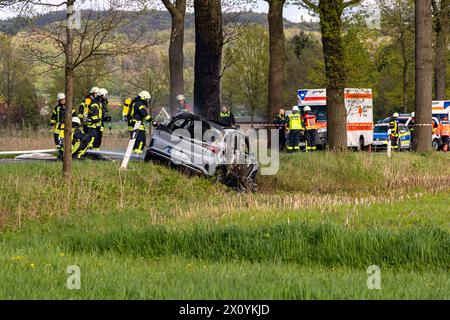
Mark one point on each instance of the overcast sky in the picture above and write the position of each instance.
(291, 12)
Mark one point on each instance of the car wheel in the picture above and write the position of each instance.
(436, 145)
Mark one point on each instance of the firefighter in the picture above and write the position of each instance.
(93, 121)
(139, 113)
(227, 117)
(83, 110)
(445, 133)
(393, 126)
(103, 103)
(126, 108)
(294, 123)
(182, 105)
(57, 119)
(309, 122)
(280, 120)
(80, 140)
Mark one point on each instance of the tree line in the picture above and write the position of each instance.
(413, 40)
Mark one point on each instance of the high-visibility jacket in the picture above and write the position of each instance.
(445, 128)
(57, 118)
(104, 111)
(279, 119)
(295, 122)
(227, 118)
(310, 121)
(136, 113)
(393, 125)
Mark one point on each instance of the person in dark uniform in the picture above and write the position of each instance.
(280, 120)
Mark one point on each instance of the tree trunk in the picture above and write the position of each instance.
(331, 26)
(405, 74)
(405, 87)
(424, 76)
(208, 57)
(440, 72)
(277, 56)
(176, 56)
(69, 74)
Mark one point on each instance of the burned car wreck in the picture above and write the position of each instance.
(205, 147)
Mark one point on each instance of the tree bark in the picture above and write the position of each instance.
(405, 73)
(424, 76)
(331, 25)
(440, 71)
(69, 75)
(176, 56)
(277, 56)
(208, 57)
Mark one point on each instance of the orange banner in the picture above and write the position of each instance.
(367, 126)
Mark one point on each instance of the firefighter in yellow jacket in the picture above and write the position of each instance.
(294, 124)
(138, 112)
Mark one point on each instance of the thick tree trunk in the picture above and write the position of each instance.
(331, 26)
(176, 56)
(277, 56)
(405, 74)
(208, 57)
(405, 87)
(69, 75)
(440, 71)
(424, 76)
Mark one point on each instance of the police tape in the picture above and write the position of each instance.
(422, 125)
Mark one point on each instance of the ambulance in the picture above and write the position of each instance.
(441, 109)
(359, 108)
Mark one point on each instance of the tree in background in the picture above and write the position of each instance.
(177, 10)
(330, 13)
(424, 76)
(78, 42)
(398, 24)
(277, 56)
(16, 87)
(248, 74)
(441, 10)
(304, 66)
(208, 57)
(151, 71)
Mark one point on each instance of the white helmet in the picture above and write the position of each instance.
(95, 90)
(181, 97)
(295, 109)
(145, 95)
(103, 92)
(61, 96)
(307, 109)
(413, 114)
(396, 115)
(76, 120)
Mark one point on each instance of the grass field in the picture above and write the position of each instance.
(152, 233)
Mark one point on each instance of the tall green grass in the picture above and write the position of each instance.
(153, 233)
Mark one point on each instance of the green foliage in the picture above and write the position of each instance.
(245, 80)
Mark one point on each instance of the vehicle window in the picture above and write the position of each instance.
(381, 129)
(177, 124)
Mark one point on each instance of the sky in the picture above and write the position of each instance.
(291, 12)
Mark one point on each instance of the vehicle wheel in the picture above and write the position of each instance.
(399, 144)
(361, 144)
(436, 145)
